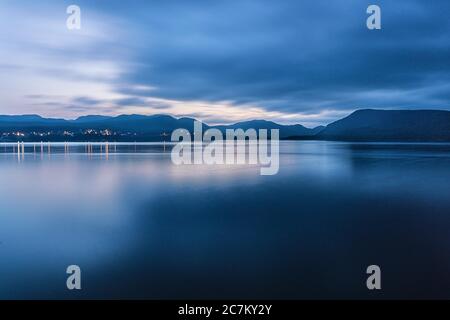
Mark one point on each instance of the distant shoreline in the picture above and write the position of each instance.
(366, 125)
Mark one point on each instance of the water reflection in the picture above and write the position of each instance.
(140, 227)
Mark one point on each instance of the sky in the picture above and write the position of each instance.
(222, 61)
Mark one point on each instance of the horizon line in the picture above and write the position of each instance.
(204, 122)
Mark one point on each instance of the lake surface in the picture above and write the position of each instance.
(141, 227)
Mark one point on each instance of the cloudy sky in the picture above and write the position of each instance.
(291, 61)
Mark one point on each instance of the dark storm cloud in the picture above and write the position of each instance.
(294, 56)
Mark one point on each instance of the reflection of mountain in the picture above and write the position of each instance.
(362, 125)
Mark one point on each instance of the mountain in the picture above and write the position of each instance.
(26, 119)
(141, 124)
(361, 125)
(390, 125)
(23, 118)
(132, 127)
(285, 130)
(91, 118)
(29, 123)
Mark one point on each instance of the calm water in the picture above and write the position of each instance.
(140, 227)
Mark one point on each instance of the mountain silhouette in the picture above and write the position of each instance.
(361, 125)
(390, 125)
(132, 127)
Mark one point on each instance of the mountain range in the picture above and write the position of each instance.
(361, 125)
(391, 125)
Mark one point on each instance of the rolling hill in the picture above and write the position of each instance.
(390, 125)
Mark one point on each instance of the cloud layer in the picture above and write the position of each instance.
(223, 61)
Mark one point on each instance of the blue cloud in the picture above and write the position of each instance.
(290, 56)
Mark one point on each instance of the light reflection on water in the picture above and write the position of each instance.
(141, 227)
